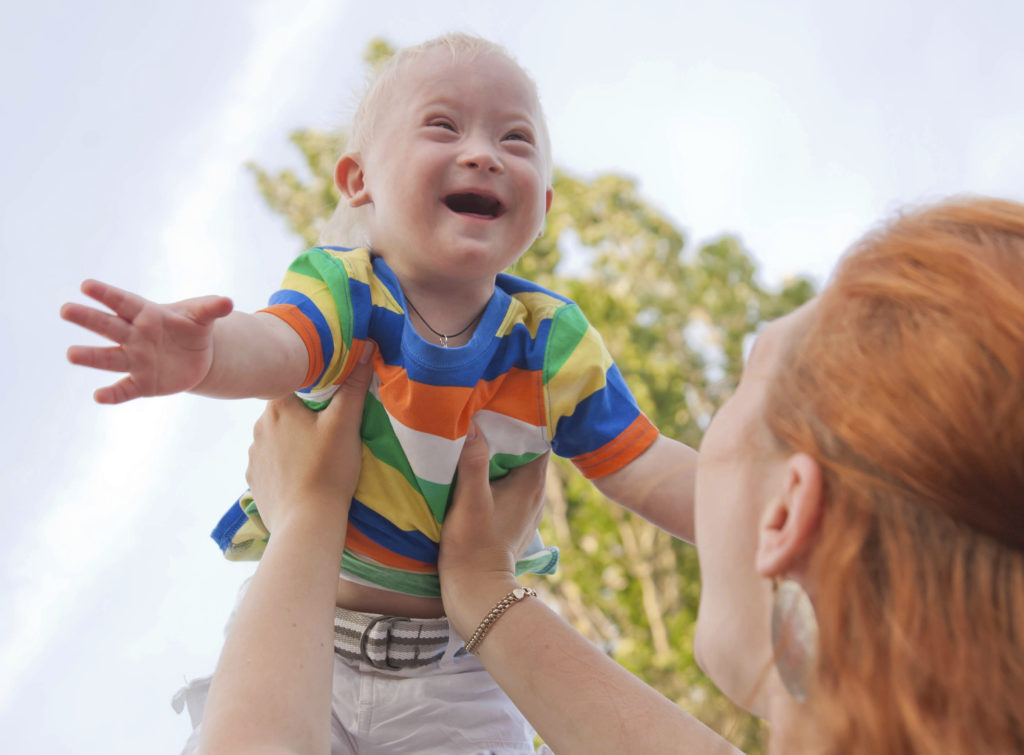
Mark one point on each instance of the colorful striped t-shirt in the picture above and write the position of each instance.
(535, 376)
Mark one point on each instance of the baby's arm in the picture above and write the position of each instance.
(658, 485)
(196, 345)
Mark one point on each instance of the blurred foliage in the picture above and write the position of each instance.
(676, 321)
(378, 52)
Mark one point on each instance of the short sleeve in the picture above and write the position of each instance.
(593, 418)
(316, 300)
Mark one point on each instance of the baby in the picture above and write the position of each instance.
(446, 182)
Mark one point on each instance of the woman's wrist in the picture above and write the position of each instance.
(317, 528)
(469, 596)
(514, 596)
(302, 503)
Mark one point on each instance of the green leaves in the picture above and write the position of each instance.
(676, 322)
(305, 203)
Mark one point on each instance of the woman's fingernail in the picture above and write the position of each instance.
(471, 432)
(367, 352)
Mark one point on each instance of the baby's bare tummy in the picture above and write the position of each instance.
(357, 597)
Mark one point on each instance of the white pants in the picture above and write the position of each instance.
(450, 707)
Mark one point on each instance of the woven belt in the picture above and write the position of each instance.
(389, 641)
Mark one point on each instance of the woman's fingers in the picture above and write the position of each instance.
(519, 501)
(302, 460)
(473, 485)
(259, 432)
(347, 404)
(488, 526)
(525, 483)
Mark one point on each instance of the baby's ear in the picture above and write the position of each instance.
(350, 180)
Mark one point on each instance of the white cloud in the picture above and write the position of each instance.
(77, 533)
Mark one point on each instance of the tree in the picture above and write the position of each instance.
(676, 322)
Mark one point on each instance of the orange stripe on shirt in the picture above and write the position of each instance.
(617, 453)
(352, 358)
(516, 394)
(307, 332)
(361, 544)
(445, 410)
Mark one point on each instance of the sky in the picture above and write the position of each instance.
(793, 125)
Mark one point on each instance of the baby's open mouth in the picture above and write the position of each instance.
(470, 203)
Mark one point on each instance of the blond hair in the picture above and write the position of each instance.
(345, 226)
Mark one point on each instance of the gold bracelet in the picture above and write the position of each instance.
(495, 613)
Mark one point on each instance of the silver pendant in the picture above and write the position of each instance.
(794, 637)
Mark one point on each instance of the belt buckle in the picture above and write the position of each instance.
(365, 638)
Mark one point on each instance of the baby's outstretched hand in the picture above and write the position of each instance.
(164, 348)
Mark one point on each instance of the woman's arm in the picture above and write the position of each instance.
(578, 699)
(271, 691)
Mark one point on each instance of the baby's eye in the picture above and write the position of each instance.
(447, 125)
(519, 136)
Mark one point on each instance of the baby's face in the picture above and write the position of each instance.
(456, 172)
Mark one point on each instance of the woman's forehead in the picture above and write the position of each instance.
(773, 337)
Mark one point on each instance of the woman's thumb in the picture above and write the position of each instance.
(473, 483)
(475, 459)
(358, 381)
(348, 401)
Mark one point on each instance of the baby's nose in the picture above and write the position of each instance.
(479, 157)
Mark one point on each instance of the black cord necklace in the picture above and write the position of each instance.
(443, 337)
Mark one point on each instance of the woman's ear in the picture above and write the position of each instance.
(789, 523)
(350, 180)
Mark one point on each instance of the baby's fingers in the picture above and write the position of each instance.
(111, 358)
(203, 310)
(123, 390)
(124, 303)
(100, 323)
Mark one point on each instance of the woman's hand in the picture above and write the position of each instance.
(577, 698)
(486, 529)
(307, 463)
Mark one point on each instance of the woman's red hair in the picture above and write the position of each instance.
(909, 389)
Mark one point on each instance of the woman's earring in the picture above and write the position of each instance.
(794, 637)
